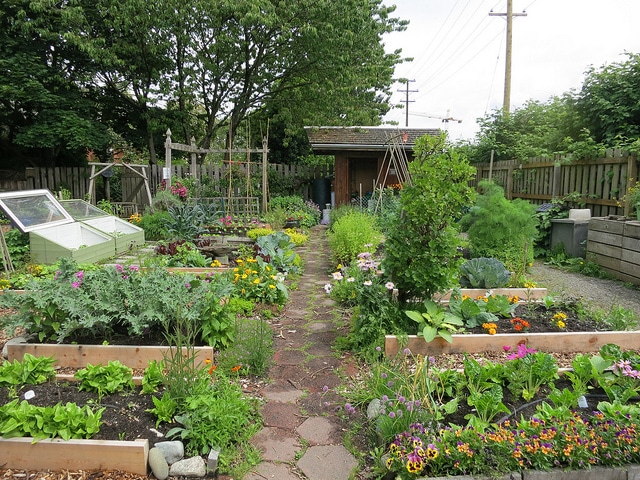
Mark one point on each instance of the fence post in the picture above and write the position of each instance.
(167, 158)
(557, 179)
(265, 178)
(194, 165)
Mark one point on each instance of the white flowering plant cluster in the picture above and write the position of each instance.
(363, 286)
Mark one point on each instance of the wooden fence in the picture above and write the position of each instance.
(594, 184)
(213, 180)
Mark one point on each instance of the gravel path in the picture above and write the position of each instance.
(597, 293)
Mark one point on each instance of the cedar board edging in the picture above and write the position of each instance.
(524, 294)
(560, 342)
(78, 356)
(56, 454)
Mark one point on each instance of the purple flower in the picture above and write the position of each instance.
(76, 284)
(80, 275)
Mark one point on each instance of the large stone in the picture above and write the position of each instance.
(172, 451)
(189, 467)
(158, 464)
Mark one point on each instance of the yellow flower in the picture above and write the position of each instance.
(561, 324)
(256, 281)
(272, 286)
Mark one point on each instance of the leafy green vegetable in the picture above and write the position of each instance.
(435, 322)
(484, 272)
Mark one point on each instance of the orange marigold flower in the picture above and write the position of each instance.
(236, 368)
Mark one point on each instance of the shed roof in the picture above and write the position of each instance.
(335, 139)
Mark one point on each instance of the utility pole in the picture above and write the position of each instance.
(506, 103)
(406, 101)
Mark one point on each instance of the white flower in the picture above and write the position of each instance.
(368, 282)
(337, 275)
(351, 279)
(389, 285)
(327, 288)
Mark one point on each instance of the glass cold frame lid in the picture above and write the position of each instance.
(33, 209)
(81, 210)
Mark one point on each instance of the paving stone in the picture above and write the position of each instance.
(281, 393)
(289, 357)
(316, 430)
(276, 444)
(271, 471)
(282, 415)
(327, 462)
(320, 326)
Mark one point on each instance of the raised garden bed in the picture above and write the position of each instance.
(77, 356)
(524, 294)
(56, 454)
(559, 342)
(614, 244)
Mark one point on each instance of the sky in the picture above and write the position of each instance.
(458, 50)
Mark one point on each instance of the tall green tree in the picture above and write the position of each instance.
(243, 56)
(609, 101)
(604, 113)
(47, 99)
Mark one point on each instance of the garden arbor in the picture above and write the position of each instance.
(247, 203)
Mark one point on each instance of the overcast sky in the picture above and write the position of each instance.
(459, 54)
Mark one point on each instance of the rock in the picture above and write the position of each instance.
(189, 467)
(373, 409)
(158, 464)
(172, 451)
(15, 340)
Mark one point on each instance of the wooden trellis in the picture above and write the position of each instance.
(396, 158)
(194, 151)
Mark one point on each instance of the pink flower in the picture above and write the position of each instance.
(522, 352)
(506, 348)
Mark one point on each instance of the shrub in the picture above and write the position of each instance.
(308, 213)
(254, 233)
(155, 225)
(503, 229)
(352, 234)
(421, 248)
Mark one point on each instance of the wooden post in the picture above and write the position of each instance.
(557, 179)
(167, 158)
(491, 164)
(632, 179)
(265, 179)
(194, 166)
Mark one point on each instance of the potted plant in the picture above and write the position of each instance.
(292, 222)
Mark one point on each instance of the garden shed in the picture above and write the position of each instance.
(362, 154)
